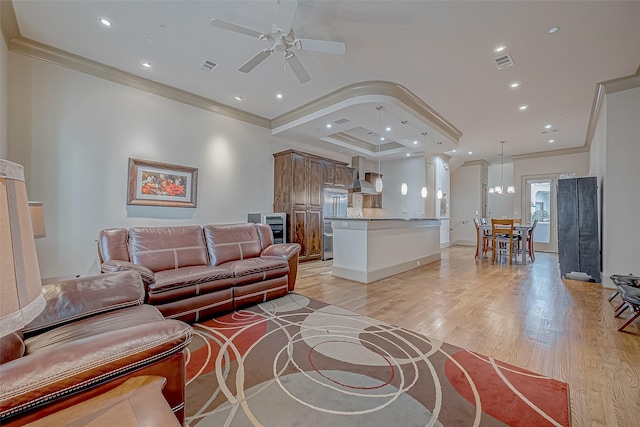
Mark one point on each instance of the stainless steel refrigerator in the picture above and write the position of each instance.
(334, 205)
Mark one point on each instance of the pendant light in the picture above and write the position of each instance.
(499, 189)
(439, 192)
(404, 188)
(378, 183)
(423, 192)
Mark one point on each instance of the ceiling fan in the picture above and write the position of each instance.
(282, 39)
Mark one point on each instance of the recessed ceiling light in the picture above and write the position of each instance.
(553, 30)
(388, 129)
(408, 154)
(547, 126)
(238, 98)
(106, 22)
(381, 138)
(146, 64)
(328, 125)
(523, 107)
(551, 141)
(514, 85)
(499, 48)
(279, 95)
(453, 150)
(415, 142)
(470, 152)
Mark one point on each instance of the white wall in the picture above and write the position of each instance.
(465, 187)
(3, 99)
(394, 204)
(621, 184)
(502, 206)
(74, 134)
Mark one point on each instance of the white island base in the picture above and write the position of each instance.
(366, 250)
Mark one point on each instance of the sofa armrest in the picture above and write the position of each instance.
(111, 266)
(290, 252)
(81, 297)
(39, 378)
(283, 250)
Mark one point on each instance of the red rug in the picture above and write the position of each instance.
(300, 362)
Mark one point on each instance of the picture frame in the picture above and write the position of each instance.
(162, 184)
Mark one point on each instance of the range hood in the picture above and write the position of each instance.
(360, 185)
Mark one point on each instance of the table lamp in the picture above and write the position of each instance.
(21, 297)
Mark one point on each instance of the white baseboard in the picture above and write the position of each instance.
(363, 276)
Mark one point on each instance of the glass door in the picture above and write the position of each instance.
(540, 204)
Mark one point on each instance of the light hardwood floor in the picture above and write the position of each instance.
(523, 315)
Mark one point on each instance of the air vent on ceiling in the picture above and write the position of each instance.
(208, 66)
(503, 61)
(341, 121)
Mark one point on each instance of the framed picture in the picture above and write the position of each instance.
(161, 184)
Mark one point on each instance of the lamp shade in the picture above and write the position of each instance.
(21, 297)
(423, 192)
(403, 189)
(37, 219)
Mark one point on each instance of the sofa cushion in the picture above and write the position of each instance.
(257, 269)
(232, 242)
(187, 282)
(165, 248)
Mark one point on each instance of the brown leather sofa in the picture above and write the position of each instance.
(192, 272)
(93, 335)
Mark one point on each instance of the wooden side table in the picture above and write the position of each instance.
(136, 402)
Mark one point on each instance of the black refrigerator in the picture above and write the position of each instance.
(578, 236)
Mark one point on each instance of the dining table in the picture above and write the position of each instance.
(522, 229)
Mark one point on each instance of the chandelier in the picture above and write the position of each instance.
(498, 189)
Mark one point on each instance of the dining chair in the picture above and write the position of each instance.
(517, 221)
(503, 238)
(484, 235)
(532, 254)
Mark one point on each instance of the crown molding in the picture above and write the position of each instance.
(376, 88)
(75, 62)
(8, 21)
(480, 162)
(606, 88)
(551, 153)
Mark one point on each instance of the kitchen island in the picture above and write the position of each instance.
(370, 249)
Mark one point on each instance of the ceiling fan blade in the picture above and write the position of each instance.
(286, 14)
(324, 46)
(253, 62)
(235, 28)
(297, 67)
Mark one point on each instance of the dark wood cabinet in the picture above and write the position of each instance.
(334, 174)
(372, 200)
(298, 182)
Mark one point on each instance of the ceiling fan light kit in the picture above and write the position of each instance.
(282, 39)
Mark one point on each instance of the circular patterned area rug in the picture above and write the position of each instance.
(295, 361)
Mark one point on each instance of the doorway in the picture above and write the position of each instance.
(540, 203)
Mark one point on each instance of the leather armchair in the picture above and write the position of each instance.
(93, 335)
